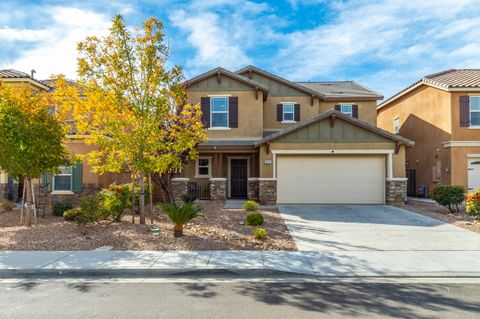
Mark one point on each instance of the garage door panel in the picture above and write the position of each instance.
(330, 179)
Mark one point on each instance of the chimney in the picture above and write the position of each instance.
(32, 73)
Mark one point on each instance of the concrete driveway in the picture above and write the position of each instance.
(372, 227)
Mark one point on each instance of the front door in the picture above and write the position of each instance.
(238, 178)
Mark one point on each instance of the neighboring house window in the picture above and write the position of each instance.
(288, 112)
(203, 167)
(62, 182)
(346, 109)
(474, 110)
(396, 124)
(219, 111)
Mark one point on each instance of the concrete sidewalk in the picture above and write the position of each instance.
(267, 264)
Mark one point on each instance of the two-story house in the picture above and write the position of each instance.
(280, 141)
(441, 113)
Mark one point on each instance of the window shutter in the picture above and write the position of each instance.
(44, 180)
(77, 177)
(297, 112)
(337, 107)
(355, 111)
(464, 111)
(279, 112)
(233, 111)
(205, 105)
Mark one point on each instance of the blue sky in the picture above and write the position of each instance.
(384, 44)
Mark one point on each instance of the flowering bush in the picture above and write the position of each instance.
(473, 203)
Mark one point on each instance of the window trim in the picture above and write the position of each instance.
(396, 128)
(227, 112)
(351, 109)
(71, 181)
(292, 112)
(197, 166)
(470, 110)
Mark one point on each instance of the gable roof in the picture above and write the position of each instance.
(11, 74)
(449, 80)
(225, 72)
(328, 114)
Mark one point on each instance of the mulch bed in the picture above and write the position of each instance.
(219, 229)
(460, 219)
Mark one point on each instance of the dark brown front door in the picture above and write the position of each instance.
(238, 178)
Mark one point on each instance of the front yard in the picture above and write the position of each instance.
(218, 229)
(460, 219)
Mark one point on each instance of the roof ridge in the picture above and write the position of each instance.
(429, 76)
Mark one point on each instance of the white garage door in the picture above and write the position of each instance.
(473, 174)
(330, 179)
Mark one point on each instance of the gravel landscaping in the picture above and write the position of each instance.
(460, 219)
(218, 229)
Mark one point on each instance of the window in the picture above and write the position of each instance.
(219, 111)
(288, 112)
(346, 109)
(62, 182)
(474, 110)
(396, 124)
(203, 167)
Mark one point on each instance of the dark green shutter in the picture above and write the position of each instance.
(44, 180)
(77, 177)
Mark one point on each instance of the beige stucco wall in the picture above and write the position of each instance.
(250, 114)
(367, 110)
(459, 171)
(461, 133)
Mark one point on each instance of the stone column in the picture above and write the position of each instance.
(396, 191)
(179, 188)
(253, 188)
(267, 191)
(218, 188)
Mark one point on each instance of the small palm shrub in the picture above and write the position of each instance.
(71, 214)
(186, 198)
(250, 206)
(7, 205)
(260, 233)
(254, 219)
(449, 196)
(180, 215)
(59, 208)
(473, 203)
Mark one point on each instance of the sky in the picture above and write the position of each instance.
(383, 44)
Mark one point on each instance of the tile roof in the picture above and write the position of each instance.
(13, 74)
(446, 80)
(341, 89)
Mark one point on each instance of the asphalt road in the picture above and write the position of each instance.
(94, 299)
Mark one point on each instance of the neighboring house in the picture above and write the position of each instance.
(292, 142)
(441, 113)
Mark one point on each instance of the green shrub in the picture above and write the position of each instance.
(250, 206)
(72, 214)
(59, 208)
(254, 219)
(449, 196)
(7, 205)
(180, 215)
(260, 233)
(473, 203)
(188, 198)
(113, 201)
(89, 204)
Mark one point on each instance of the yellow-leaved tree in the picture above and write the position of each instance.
(131, 105)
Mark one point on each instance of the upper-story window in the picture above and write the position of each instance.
(346, 109)
(62, 182)
(219, 111)
(474, 110)
(396, 124)
(288, 112)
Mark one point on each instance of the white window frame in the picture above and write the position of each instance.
(292, 112)
(197, 167)
(71, 181)
(219, 112)
(396, 125)
(347, 113)
(470, 110)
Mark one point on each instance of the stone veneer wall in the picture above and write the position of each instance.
(74, 198)
(267, 191)
(179, 188)
(396, 193)
(3, 191)
(253, 188)
(218, 188)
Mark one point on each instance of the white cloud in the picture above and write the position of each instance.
(53, 48)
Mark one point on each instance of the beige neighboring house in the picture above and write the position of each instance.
(287, 142)
(441, 113)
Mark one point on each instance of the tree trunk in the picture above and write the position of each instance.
(177, 230)
(141, 184)
(22, 209)
(133, 200)
(151, 197)
(28, 213)
(34, 204)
